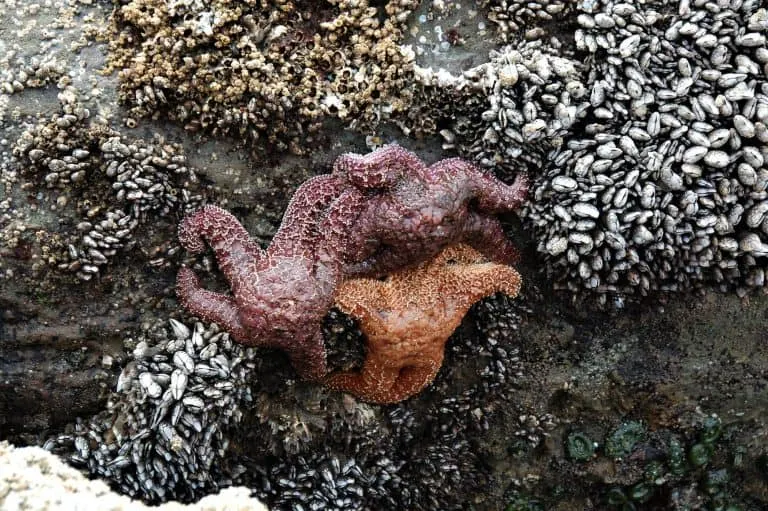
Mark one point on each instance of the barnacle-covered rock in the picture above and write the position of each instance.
(506, 114)
(114, 181)
(663, 186)
(528, 17)
(297, 417)
(163, 434)
(222, 66)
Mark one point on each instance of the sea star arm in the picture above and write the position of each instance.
(231, 243)
(484, 233)
(209, 306)
(493, 196)
(308, 357)
(376, 384)
(410, 381)
(379, 169)
(490, 194)
(299, 228)
(365, 384)
(475, 282)
(338, 241)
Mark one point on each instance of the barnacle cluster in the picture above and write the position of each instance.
(111, 181)
(163, 434)
(664, 185)
(530, 18)
(647, 131)
(49, 59)
(263, 69)
(509, 113)
(36, 71)
(295, 417)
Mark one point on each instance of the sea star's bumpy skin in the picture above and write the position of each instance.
(374, 214)
(280, 295)
(411, 211)
(408, 318)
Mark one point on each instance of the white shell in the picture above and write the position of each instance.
(585, 210)
(716, 159)
(564, 184)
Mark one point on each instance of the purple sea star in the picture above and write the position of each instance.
(374, 214)
(279, 295)
(412, 211)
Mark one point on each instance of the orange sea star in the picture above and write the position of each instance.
(408, 317)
